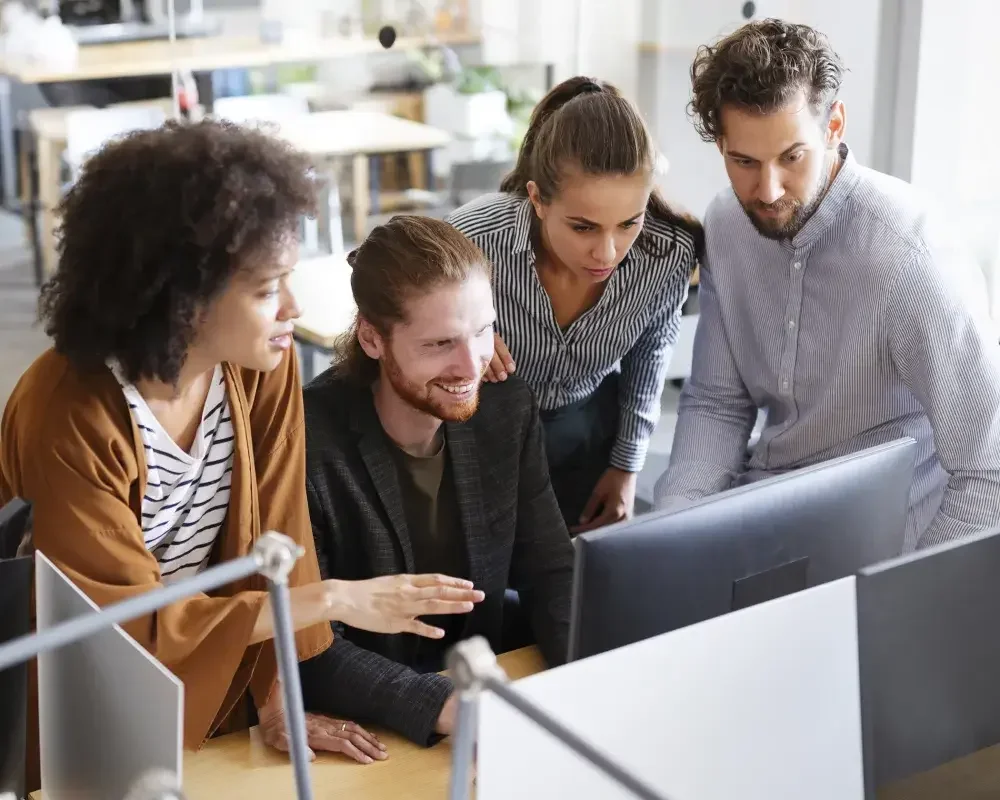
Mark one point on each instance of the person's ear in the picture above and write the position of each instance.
(535, 197)
(370, 339)
(836, 125)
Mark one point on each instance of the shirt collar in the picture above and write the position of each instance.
(522, 227)
(842, 187)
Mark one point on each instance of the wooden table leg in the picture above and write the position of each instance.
(30, 205)
(362, 198)
(417, 167)
(26, 194)
(49, 194)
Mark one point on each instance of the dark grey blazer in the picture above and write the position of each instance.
(514, 536)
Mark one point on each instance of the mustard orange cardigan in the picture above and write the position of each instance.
(68, 444)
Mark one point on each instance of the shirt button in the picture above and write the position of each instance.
(798, 265)
(784, 384)
(791, 323)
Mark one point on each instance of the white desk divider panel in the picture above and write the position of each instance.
(759, 704)
(108, 711)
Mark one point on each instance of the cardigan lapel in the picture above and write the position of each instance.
(374, 449)
(469, 492)
(242, 520)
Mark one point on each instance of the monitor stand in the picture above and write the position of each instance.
(792, 576)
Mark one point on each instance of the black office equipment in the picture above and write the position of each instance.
(667, 570)
(15, 620)
(929, 647)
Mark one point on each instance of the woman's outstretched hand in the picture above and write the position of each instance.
(392, 603)
(388, 604)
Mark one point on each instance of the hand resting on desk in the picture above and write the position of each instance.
(326, 734)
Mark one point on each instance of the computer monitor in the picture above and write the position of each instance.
(930, 657)
(666, 570)
(109, 713)
(15, 621)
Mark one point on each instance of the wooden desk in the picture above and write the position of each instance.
(240, 765)
(359, 135)
(322, 288)
(48, 126)
(324, 135)
(204, 54)
(975, 777)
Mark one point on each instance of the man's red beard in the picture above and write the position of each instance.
(422, 397)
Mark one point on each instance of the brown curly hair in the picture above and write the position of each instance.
(152, 231)
(761, 67)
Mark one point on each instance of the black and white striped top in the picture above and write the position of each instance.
(869, 325)
(632, 328)
(187, 494)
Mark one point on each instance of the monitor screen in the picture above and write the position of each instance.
(666, 570)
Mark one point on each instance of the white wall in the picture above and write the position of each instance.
(609, 41)
(601, 38)
(591, 37)
(697, 173)
(853, 29)
(956, 110)
(956, 115)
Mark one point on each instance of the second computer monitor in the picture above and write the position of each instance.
(667, 570)
(930, 657)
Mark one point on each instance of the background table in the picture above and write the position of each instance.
(359, 135)
(204, 54)
(197, 54)
(322, 288)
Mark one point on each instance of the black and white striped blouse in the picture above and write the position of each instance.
(631, 329)
(187, 493)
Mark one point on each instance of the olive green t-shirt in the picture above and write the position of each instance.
(430, 505)
(431, 510)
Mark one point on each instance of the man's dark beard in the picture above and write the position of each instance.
(801, 214)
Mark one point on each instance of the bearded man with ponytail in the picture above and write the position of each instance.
(412, 463)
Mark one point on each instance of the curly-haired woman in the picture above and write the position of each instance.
(164, 430)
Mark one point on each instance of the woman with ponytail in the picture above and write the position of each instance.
(591, 269)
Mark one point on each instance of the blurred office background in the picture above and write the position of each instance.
(918, 96)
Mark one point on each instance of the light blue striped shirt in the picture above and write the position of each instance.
(631, 329)
(869, 325)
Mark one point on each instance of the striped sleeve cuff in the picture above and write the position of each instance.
(629, 456)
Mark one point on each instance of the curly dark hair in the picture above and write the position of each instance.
(152, 230)
(761, 67)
